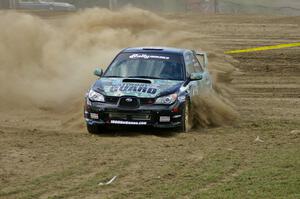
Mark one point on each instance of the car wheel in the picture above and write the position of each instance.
(186, 119)
(93, 129)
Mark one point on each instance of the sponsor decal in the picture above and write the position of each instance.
(127, 122)
(145, 56)
(140, 88)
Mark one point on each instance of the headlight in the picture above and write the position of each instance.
(167, 100)
(96, 97)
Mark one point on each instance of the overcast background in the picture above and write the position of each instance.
(277, 7)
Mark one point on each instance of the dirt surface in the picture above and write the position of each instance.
(45, 151)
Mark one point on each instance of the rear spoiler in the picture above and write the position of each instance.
(203, 56)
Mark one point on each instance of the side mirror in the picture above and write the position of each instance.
(204, 59)
(98, 72)
(196, 76)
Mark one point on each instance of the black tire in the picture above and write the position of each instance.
(186, 120)
(93, 129)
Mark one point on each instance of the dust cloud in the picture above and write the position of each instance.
(48, 63)
(212, 110)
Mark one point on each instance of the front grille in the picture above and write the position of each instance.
(111, 100)
(141, 117)
(119, 116)
(129, 102)
(130, 117)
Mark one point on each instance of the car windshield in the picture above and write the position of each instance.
(147, 65)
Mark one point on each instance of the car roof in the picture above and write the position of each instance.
(155, 49)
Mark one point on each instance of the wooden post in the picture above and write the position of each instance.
(216, 6)
(113, 4)
(12, 4)
(110, 4)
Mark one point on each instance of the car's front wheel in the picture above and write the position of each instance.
(93, 129)
(186, 120)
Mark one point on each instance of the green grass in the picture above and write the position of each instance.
(271, 175)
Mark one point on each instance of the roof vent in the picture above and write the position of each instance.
(145, 81)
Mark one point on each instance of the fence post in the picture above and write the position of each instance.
(216, 6)
(113, 4)
(12, 4)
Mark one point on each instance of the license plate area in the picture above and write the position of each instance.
(131, 123)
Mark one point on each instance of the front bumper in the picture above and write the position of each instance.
(160, 116)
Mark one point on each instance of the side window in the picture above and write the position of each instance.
(197, 65)
(188, 58)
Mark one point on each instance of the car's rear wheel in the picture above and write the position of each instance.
(186, 120)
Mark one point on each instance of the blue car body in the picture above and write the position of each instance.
(151, 97)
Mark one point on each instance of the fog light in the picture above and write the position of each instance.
(94, 116)
(164, 119)
(176, 116)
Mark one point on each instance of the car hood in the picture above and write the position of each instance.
(143, 88)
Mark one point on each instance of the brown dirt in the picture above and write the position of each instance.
(44, 148)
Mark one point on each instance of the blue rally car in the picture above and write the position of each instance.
(147, 86)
